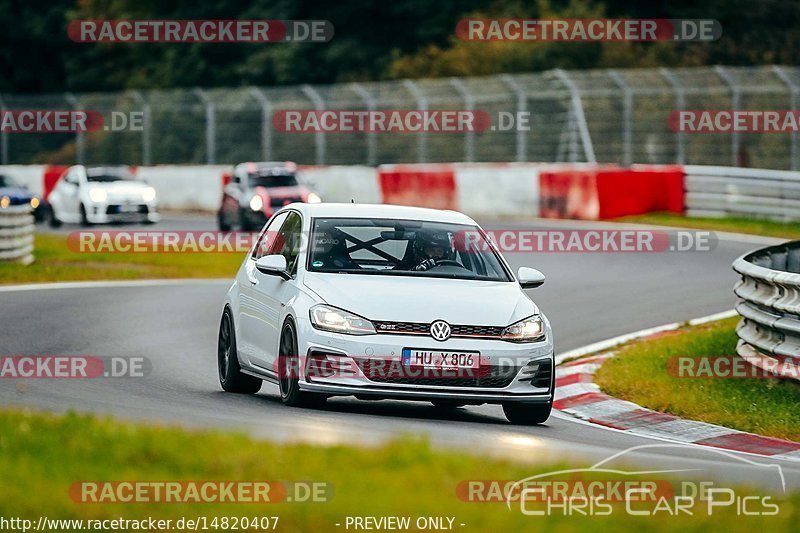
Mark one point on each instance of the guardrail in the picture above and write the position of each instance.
(769, 332)
(747, 192)
(16, 234)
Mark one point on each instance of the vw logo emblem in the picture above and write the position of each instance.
(440, 330)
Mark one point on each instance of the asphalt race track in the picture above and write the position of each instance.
(588, 297)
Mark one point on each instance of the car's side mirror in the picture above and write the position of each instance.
(529, 278)
(272, 265)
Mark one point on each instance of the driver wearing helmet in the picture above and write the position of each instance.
(432, 247)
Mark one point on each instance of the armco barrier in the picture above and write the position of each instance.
(748, 192)
(16, 234)
(769, 292)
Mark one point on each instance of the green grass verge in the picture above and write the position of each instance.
(639, 373)
(42, 455)
(755, 226)
(56, 262)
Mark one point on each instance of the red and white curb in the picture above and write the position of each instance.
(578, 395)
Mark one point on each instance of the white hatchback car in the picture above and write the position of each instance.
(97, 195)
(383, 301)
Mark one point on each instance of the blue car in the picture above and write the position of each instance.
(12, 193)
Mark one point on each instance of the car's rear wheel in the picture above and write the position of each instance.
(222, 224)
(289, 371)
(527, 414)
(52, 218)
(231, 377)
(447, 405)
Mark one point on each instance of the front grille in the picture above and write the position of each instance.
(456, 330)
(493, 377)
(115, 209)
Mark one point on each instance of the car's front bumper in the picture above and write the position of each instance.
(122, 211)
(350, 355)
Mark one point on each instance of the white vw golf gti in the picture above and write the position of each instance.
(382, 301)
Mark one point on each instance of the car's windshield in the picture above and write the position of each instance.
(106, 176)
(403, 247)
(276, 177)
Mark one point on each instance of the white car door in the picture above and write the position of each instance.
(69, 196)
(256, 317)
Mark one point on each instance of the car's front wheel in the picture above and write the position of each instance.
(527, 414)
(231, 377)
(289, 372)
(53, 219)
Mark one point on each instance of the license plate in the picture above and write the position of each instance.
(128, 208)
(441, 359)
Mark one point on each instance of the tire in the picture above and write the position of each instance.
(527, 414)
(447, 405)
(244, 225)
(231, 377)
(84, 218)
(288, 369)
(221, 224)
(52, 218)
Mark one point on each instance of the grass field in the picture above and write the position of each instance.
(55, 261)
(639, 374)
(42, 456)
(766, 228)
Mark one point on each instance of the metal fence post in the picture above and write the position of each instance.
(422, 105)
(319, 104)
(680, 104)
(577, 109)
(736, 104)
(137, 95)
(266, 127)
(522, 107)
(469, 105)
(369, 101)
(795, 104)
(211, 126)
(627, 117)
(79, 135)
(3, 135)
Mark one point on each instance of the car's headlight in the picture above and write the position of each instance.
(313, 198)
(149, 194)
(35, 202)
(526, 330)
(329, 318)
(256, 203)
(98, 195)
(5, 201)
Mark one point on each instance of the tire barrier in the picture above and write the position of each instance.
(769, 304)
(16, 234)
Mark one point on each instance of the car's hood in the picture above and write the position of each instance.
(15, 193)
(120, 188)
(412, 299)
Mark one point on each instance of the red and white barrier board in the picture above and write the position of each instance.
(578, 191)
